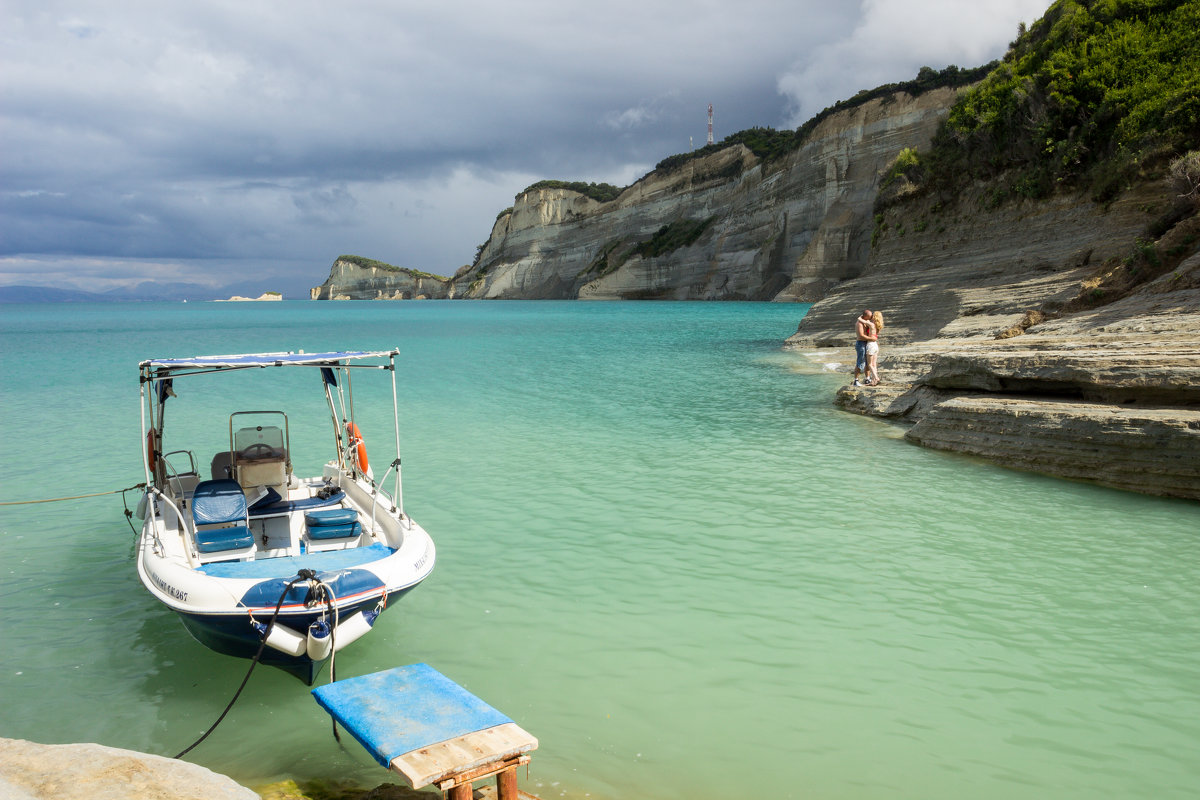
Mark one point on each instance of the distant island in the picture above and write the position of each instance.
(237, 298)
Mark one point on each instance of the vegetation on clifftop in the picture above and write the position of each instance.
(370, 263)
(769, 144)
(1088, 95)
(600, 192)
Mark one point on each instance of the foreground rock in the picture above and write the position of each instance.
(1109, 394)
(30, 771)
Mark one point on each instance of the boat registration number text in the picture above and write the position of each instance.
(169, 589)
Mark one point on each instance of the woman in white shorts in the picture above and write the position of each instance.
(873, 330)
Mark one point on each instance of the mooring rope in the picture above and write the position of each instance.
(325, 592)
(302, 575)
(75, 497)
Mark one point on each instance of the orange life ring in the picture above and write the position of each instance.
(151, 450)
(360, 447)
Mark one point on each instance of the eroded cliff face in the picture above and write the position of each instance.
(999, 342)
(350, 281)
(787, 230)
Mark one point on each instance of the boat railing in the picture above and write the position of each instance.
(377, 490)
(158, 519)
(176, 480)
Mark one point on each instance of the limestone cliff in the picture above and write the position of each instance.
(356, 278)
(789, 229)
(999, 340)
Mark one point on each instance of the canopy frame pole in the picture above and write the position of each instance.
(399, 501)
(337, 434)
(142, 437)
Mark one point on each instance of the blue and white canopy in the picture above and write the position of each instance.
(262, 360)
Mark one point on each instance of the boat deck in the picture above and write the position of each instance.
(289, 565)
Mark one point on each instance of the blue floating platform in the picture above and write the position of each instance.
(419, 723)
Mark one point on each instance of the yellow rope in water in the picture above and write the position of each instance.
(76, 497)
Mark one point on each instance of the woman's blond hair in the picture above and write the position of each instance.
(877, 318)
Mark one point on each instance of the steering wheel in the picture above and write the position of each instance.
(258, 450)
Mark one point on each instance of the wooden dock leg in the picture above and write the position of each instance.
(461, 792)
(506, 784)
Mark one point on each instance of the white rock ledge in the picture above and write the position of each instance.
(264, 297)
(31, 771)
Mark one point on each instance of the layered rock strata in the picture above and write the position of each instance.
(789, 229)
(1110, 394)
(352, 281)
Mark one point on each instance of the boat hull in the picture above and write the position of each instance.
(234, 635)
(227, 605)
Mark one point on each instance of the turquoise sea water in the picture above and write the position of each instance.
(660, 550)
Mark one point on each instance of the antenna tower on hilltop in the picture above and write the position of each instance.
(710, 139)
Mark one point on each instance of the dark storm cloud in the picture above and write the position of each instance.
(213, 137)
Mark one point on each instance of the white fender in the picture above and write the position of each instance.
(318, 644)
(353, 628)
(286, 640)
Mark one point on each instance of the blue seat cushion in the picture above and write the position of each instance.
(269, 499)
(218, 501)
(331, 516)
(288, 506)
(218, 540)
(334, 531)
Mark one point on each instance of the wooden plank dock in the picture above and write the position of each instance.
(429, 730)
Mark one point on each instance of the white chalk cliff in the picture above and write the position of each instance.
(789, 229)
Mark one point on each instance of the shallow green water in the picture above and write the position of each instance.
(661, 551)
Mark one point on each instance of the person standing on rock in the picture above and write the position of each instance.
(863, 333)
(875, 329)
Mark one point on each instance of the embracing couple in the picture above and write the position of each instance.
(866, 347)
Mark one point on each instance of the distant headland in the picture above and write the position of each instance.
(237, 298)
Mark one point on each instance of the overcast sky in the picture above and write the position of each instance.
(211, 140)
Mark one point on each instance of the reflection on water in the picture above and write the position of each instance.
(660, 550)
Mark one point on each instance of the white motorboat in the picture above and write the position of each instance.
(255, 560)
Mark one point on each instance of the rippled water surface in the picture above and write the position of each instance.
(661, 551)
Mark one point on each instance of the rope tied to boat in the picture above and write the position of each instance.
(124, 502)
(301, 575)
(73, 497)
(320, 591)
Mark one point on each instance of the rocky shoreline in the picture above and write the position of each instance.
(1014, 366)
(32, 771)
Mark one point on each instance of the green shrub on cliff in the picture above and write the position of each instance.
(1088, 94)
(1185, 176)
(370, 263)
(766, 143)
(601, 192)
(668, 238)
(769, 144)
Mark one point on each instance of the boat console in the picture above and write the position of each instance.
(259, 450)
